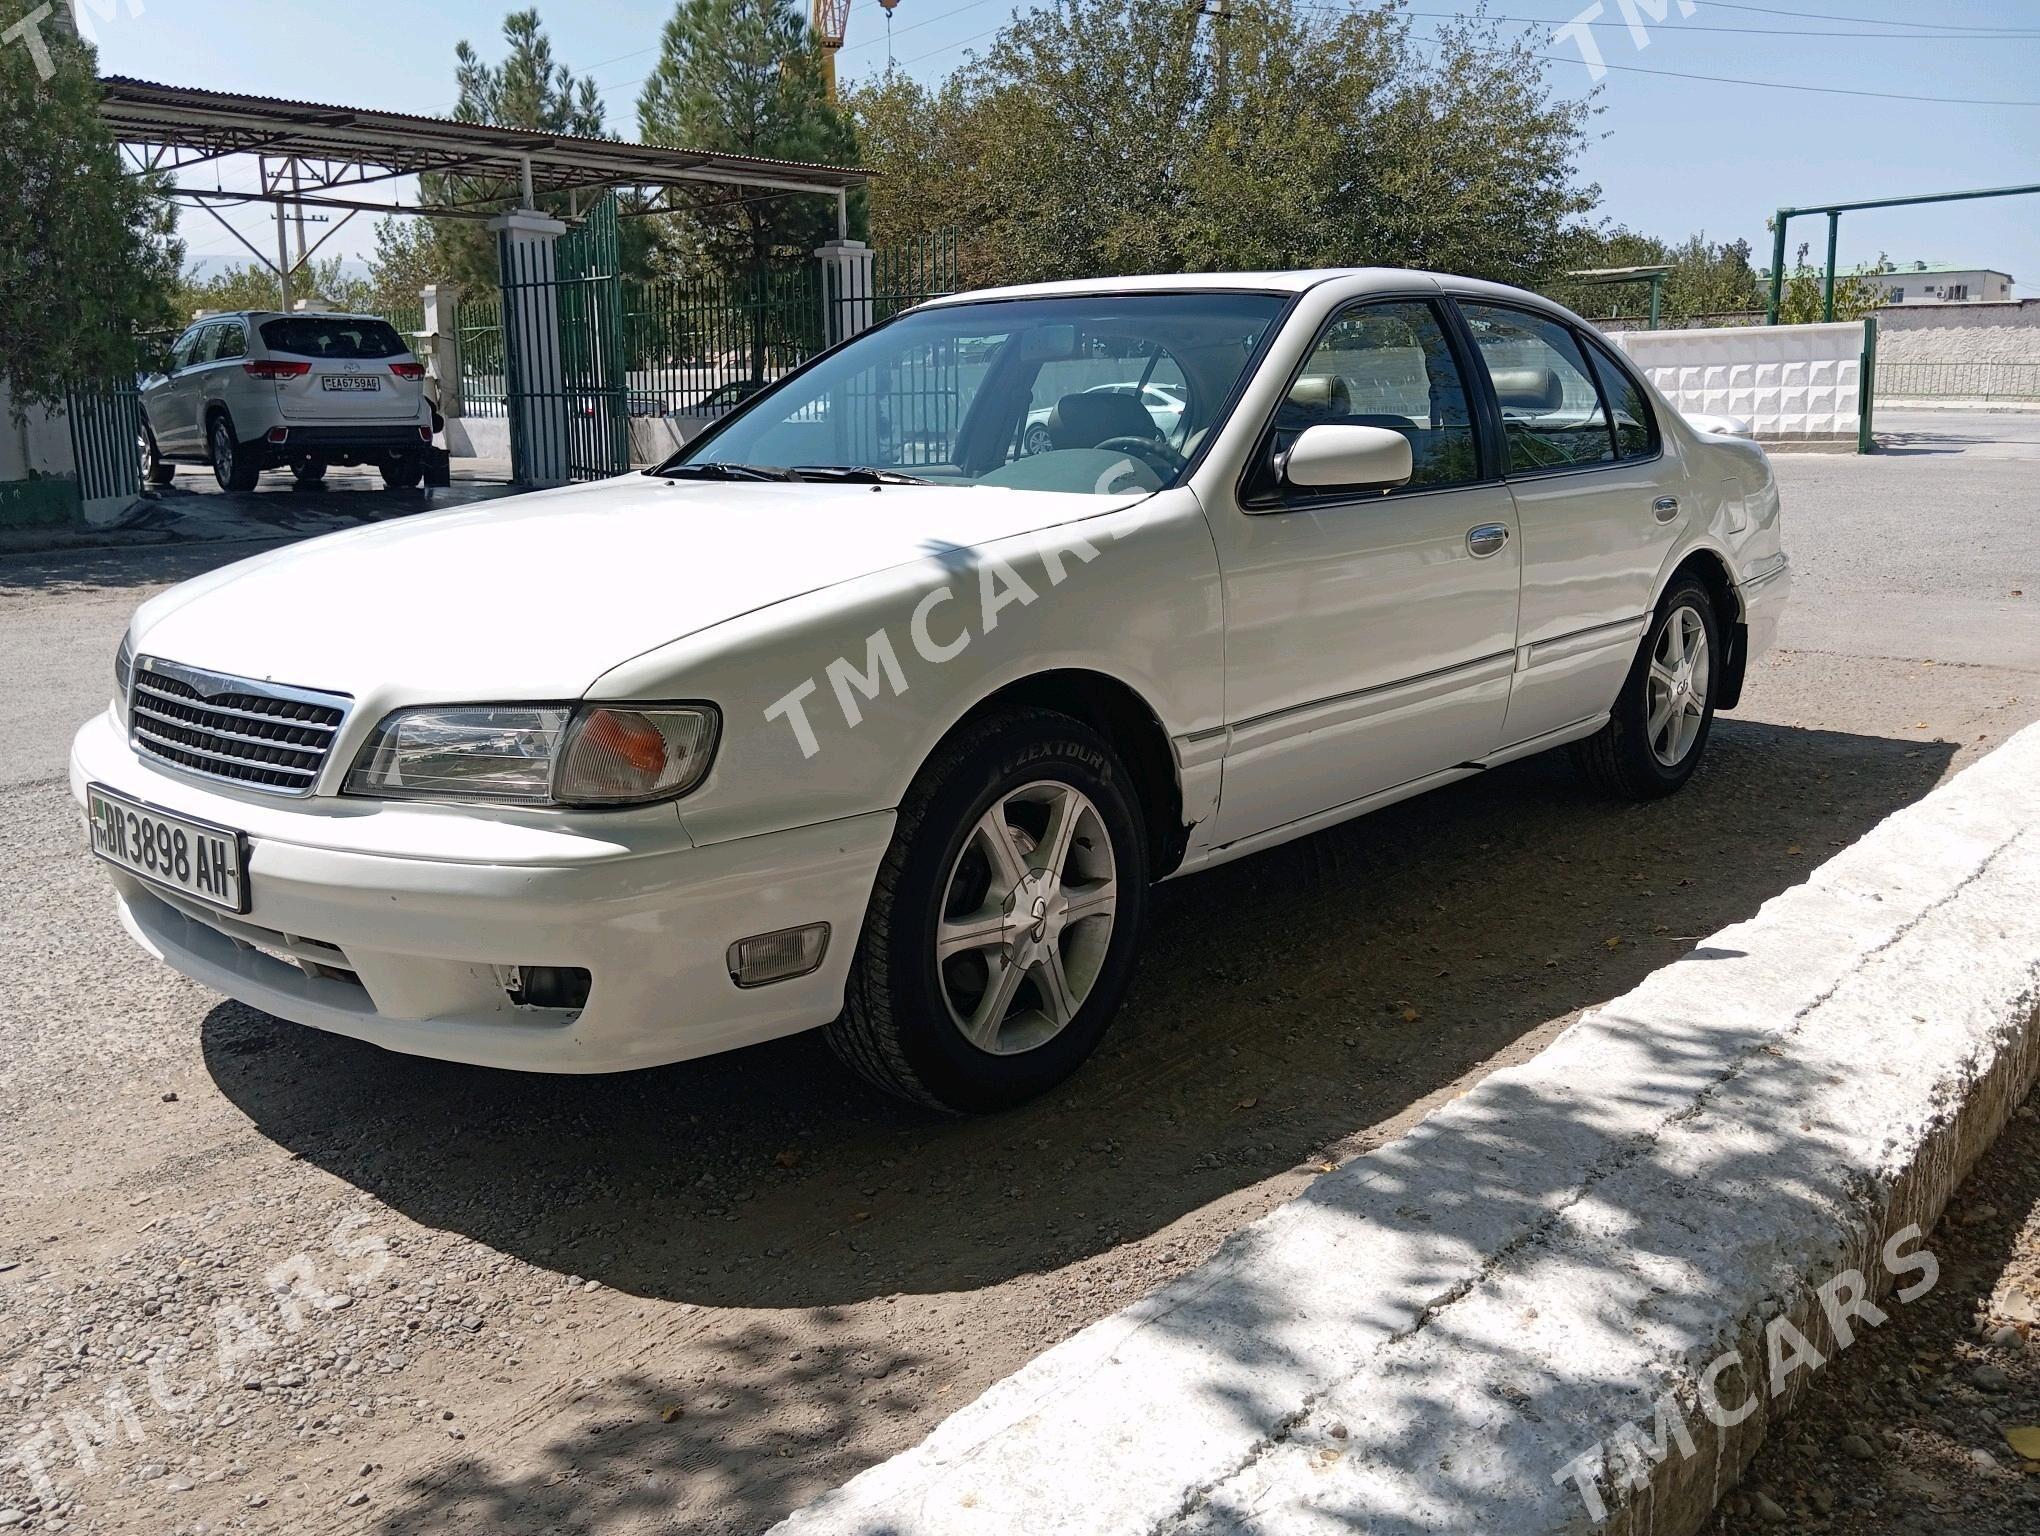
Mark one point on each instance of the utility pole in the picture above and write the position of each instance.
(1220, 12)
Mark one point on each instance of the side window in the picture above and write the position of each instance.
(1551, 408)
(1389, 365)
(233, 342)
(202, 348)
(180, 352)
(1635, 427)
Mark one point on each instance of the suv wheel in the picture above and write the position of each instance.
(403, 472)
(308, 471)
(1002, 928)
(1654, 736)
(156, 469)
(234, 470)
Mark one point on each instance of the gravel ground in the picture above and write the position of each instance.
(258, 1279)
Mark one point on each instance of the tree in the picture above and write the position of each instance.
(1804, 299)
(529, 89)
(1102, 136)
(1706, 278)
(247, 286)
(745, 77)
(88, 258)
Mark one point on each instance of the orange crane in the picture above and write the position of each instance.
(829, 18)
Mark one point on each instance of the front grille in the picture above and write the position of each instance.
(233, 728)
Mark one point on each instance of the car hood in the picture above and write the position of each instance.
(534, 597)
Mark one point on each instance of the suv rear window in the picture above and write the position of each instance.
(328, 336)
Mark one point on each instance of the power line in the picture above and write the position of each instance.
(1875, 21)
(1687, 26)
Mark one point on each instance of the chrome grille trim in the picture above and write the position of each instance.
(235, 730)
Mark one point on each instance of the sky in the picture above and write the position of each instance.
(1673, 155)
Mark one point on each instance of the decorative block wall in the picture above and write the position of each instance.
(1790, 382)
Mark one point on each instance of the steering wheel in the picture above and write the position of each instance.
(1151, 451)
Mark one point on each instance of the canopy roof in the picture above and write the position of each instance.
(333, 149)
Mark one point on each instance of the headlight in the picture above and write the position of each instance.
(538, 754)
(123, 677)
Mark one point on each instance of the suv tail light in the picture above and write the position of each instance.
(408, 370)
(273, 369)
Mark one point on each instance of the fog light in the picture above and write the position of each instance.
(548, 986)
(768, 957)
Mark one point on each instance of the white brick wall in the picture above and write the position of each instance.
(1791, 382)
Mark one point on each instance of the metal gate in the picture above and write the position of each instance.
(563, 351)
(106, 436)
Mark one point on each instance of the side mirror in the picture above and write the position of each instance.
(1349, 458)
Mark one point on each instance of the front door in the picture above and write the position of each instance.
(1369, 638)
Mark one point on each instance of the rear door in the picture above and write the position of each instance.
(342, 370)
(1597, 516)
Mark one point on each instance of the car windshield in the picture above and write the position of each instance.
(336, 336)
(1106, 394)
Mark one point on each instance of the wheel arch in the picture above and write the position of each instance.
(1711, 569)
(1117, 711)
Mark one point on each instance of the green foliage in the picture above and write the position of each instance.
(248, 286)
(1706, 278)
(1108, 136)
(744, 77)
(528, 89)
(1803, 302)
(87, 258)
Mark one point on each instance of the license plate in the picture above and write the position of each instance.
(195, 858)
(344, 382)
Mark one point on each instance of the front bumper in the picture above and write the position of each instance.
(409, 916)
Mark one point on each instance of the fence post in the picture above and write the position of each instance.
(534, 381)
(442, 337)
(846, 289)
(1866, 392)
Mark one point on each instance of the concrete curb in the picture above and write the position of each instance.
(1428, 1337)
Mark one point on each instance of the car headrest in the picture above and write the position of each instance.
(1319, 395)
(1529, 389)
(1086, 420)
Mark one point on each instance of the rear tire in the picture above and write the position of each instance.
(404, 473)
(1658, 729)
(232, 467)
(1002, 928)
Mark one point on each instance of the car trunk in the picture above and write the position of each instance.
(350, 371)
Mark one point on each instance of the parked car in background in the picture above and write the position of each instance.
(257, 390)
(722, 398)
(782, 735)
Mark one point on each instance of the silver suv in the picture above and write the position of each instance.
(260, 390)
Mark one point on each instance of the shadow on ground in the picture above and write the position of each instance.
(1313, 998)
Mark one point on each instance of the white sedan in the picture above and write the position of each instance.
(781, 736)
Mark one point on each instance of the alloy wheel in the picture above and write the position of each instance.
(1679, 674)
(1027, 917)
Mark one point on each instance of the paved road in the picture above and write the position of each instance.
(688, 1299)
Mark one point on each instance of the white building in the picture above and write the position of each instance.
(1923, 282)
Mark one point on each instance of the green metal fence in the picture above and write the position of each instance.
(106, 435)
(565, 324)
(699, 346)
(1959, 381)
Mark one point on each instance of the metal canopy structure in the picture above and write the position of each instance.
(1616, 277)
(316, 155)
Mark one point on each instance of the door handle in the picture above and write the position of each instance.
(1665, 508)
(1486, 540)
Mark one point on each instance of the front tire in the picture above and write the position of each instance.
(156, 469)
(309, 473)
(234, 470)
(1000, 937)
(403, 474)
(1658, 729)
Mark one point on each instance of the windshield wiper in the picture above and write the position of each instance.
(860, 474)
(717, 469)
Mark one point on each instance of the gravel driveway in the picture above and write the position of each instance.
(255, 1278)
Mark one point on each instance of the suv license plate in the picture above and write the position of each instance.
(194, 858)
(345, 382)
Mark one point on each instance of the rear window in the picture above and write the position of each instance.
(330, 336)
